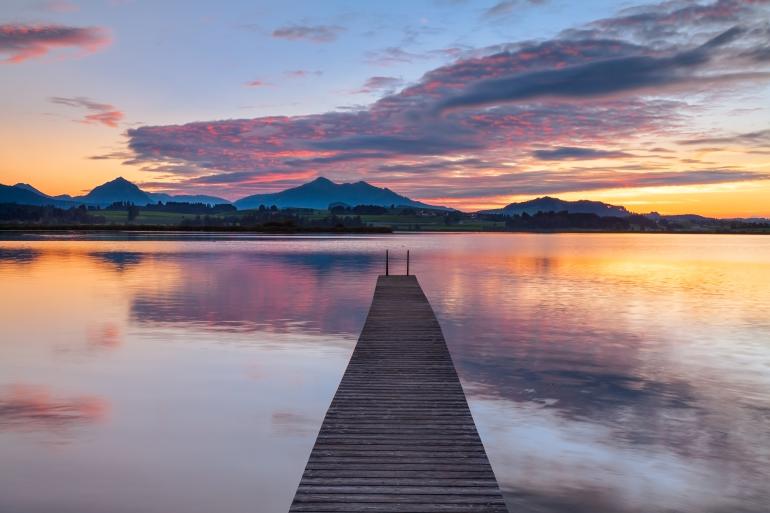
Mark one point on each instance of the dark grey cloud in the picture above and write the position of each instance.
(314, 33)
(602, 78)
(574, 153)
(761, 54)
(668, 22)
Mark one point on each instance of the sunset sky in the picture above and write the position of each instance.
(471, 104)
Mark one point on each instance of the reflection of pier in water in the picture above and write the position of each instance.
(399, 435)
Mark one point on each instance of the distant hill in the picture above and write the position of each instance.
(322, 192)
(103, 195)
(118, 189)
(27, 195)
(31, 188)
(548, 204)
(187, 198)
(688, 218)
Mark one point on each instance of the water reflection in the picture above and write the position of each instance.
(640, 375)
(256, 291)
(24, 406)
(119, 260)
(18, 255)
(105, 335)
(607, 373)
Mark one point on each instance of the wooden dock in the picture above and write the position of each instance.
(398, 436)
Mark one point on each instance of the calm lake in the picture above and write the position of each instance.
(607, 373)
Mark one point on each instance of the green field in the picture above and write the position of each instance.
(157, 218)
(430, 223)
(394, 221)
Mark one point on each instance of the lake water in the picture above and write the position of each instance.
(606, 373)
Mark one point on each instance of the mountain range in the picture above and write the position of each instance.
(117, 190)
(322, 192)
(317, 194)
(25, 194)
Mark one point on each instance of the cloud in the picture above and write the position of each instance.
(392, 55)
(257, 83)
(24, 42)
(352, 142)
(540, 182)
(560, 99)
(440, 166)
(505, 7)
(758, 138)
(623, 75)
(398, 145)
(103, 113)
(573, 153)
(302, 73)
(314, 33)
(380, 83)
(668, 20)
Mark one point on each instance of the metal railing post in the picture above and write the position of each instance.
(407, 262)
(387, 269)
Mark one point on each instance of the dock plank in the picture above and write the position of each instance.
(398, 435)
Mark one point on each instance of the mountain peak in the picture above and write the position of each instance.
(322, 192)
(26, 186)
(118, 189)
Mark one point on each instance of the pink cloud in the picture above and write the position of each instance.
(103, 113)
(23, 42)
(257, 83)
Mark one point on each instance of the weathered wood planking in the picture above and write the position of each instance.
(398, 436)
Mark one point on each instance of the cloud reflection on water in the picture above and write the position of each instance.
(34, 407)
(258, 291)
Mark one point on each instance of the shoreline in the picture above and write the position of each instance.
(191, 229)
(343, 230)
